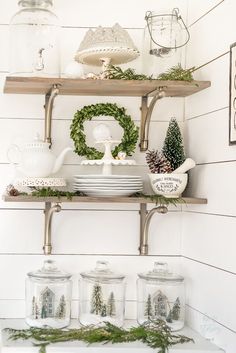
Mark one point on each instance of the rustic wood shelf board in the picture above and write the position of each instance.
(87, 199)
(89, 87)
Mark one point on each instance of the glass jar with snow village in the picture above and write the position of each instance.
(48, 297)
(102, 296)
(161, 295)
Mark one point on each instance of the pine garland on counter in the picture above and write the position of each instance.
(155, 334)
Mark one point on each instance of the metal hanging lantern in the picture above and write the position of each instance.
(165, 31)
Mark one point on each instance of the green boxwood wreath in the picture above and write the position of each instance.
(129, 139)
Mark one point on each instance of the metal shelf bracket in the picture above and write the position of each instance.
(48, 212)
(146, 113)
(145, 218)
(49, 100)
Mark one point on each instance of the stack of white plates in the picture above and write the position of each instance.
(108, 185)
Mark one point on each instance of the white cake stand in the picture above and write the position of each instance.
(106, 55)
(108, 161)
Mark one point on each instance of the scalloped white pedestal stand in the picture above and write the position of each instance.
(105, 56)
(108, 161)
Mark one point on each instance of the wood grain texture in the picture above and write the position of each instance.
(132, 88)
(28, 198)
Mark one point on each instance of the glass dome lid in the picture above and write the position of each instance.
(102, 272)
(161, 273)
(49, 271)
(35, 3)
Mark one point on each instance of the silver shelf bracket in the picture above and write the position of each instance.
(49, 100)
(146, 113)
(48, 213)
(145, 218)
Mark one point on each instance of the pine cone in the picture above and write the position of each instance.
(12, 191)
(157, 162)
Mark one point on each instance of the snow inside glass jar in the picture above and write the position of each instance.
(34, 40)
(48, 297)
(102, 296)
(161, 295)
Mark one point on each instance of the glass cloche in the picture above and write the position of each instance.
(48, 297)
(34, 40)
(102, 296)
(161, 295)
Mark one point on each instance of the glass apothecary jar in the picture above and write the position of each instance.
(34, 40)
(102, 296)
(161, 295)
(48, 297)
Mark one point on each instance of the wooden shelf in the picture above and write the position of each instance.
(51, 87)
(89, 87)
(87, 199)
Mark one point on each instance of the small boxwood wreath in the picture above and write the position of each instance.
(129, 139)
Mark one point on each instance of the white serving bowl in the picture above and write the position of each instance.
(168, 185)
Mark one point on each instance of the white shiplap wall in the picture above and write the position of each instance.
(95, 231)
(208, 233)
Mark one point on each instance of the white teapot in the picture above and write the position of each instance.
(35, 159)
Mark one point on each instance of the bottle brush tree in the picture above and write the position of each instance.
(111, 305)
(173, 148)
(61, 309)
(97, 300)
(148, 309)
(176, 310)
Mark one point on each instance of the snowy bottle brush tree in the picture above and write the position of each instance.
(172, 154)
(173, 148)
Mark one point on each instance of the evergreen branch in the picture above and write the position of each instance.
(116, 73)
(49, 192)
(177, 73)
(155, 334)
(162, 200)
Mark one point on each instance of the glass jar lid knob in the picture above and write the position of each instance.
(160, 267)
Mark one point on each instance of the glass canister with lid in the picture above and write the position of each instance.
(102, 296)
(34, 40)
(48, 297)
(161, 295)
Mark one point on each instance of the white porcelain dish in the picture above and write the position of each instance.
(106, 189)
(103, 193)
(111, 182)
(101, 182)
(113, 176)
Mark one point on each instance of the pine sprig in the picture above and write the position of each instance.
(177, 73)
(155, 334)
(162, 200)
(49, 192)
(116, 73)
